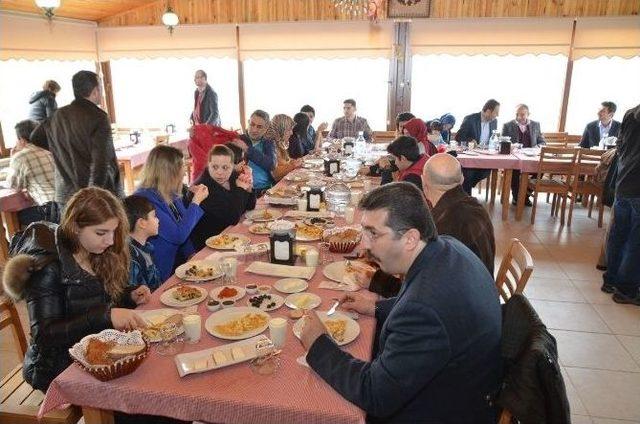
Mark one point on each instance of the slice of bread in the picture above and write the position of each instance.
(120, 351)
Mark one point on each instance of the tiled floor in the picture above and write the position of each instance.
(598, 340)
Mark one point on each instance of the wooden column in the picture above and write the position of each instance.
(567, 82)
(241, 105)
(399, 73)
(105, 67)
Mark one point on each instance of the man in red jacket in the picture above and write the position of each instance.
(408, 159)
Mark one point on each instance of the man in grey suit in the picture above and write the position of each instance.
(438, 355)
(526, 132)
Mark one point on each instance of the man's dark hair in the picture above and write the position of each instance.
(83, 83)
(137, 207)
(238, 153)
(308, 108)
(491, 104)
(405, 146)
(406, 209)
(261, 114)
(25, 128)
(403, 117)
(302, 122)
(350, 101)
(204, 74)
(611, 107)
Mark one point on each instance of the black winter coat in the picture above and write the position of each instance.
(65, 303)
(43, 104)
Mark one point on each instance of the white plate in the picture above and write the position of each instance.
(241, 292)
(225, 315)
(157, 316)
(182, 269)
(304, 237)
(335, 271)
(287, 201)
(351, 332)
(279, 301)
(297, 301)
(260, 229)
(203, 360)
(291, 285)
(263, 215)
(168, 299)
(233, 240)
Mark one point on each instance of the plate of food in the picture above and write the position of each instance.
(339, 271)
(320, 222)
(227, 241)
(156, 319)
(303, 301)
(228, 293)
(182, 296)
(306, 232)
(297, 177)
(290, 191)
(237, 323)
(291, 285)
(340, 327)
(263, 215)
(266, 302)
(199, 270)
(260, 228)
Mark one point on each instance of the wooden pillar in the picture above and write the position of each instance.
(567, 82)
(105, 67)
(399, 73)
(241, 105)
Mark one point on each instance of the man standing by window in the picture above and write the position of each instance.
(205, 107)
(350, 125)
(604, 127)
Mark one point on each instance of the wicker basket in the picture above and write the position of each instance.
(119, 368)
(341, 246)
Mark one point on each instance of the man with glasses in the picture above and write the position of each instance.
(260, 152)
(438, 356)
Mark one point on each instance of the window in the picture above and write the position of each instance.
(21, 78)
(460, 85)
(601, 79)
(283, 86)
(151, 93)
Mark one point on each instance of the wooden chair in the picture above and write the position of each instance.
(584, 184)
(19, 402)
(384, 136)
(515, 269)
(555, 137)
(558, 163)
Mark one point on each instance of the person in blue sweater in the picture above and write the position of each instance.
(161, 184)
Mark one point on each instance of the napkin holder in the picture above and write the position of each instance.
(331, 166)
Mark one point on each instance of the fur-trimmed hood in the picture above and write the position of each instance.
(30, 251)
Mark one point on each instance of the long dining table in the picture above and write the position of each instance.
(235, 394)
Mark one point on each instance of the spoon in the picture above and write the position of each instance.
(332, 310)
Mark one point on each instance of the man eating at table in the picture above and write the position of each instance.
(438, 355)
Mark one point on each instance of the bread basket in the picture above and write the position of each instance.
(119, 368)
(341, 244)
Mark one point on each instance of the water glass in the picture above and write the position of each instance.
(325, 255)
(169, 345)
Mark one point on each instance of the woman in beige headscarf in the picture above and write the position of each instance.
(279, 131)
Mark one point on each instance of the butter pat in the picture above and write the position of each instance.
(237, 353)
(200, 364)
(219, 357)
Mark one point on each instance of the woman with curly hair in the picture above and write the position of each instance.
(279, 132)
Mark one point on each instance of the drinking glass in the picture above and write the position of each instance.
(325, 255)
(169, 345)
(266, 362)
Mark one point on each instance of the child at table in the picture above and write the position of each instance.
(230, 195)
(143, 223)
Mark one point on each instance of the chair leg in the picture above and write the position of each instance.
(564, 204)
(591, 199)
(533, 209)
(553, 204)
(600, 212)
(571, 203)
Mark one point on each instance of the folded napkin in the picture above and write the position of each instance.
(347, 285)
(309, 214)
(215, 256)
(277, 270)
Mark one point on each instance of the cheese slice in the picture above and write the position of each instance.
(237, 353)
(219, 357)
(200, 364)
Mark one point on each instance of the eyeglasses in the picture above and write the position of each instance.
(372, 235)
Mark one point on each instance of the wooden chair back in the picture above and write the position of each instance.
(384, 136)
(557, 161)
(9, 316)
(555, 137)
(515, 269)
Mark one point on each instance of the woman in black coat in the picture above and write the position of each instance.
(72, 277)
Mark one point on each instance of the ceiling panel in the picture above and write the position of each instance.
(91, 10)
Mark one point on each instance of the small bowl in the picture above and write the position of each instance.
(213, 305)
(264, 289)
(228, 304)
(251, 288)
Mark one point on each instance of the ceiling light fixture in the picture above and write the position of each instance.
(48, 6)
(170, 19)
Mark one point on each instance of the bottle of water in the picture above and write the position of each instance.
(494, 141)
(360, 147)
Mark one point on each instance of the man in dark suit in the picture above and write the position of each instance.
(605, 126)
(438, 355)
(526, 132)
(477, 128)
(205, 106)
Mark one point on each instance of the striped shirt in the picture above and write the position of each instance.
(32, 169)
(344, 128)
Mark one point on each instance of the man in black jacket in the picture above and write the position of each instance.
(79, 137)
(205, 102)
(605, 126)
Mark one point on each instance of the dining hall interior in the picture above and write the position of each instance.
(214, 211)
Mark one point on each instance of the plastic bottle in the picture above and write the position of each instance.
(360, 147)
